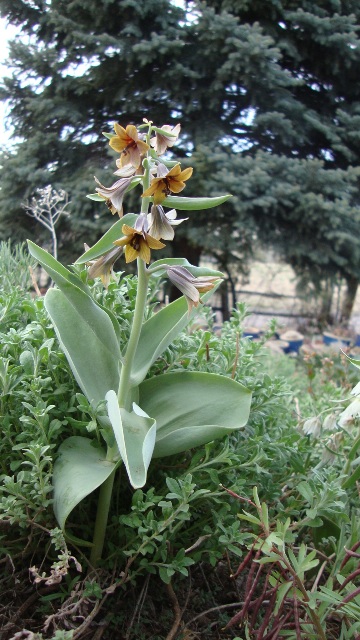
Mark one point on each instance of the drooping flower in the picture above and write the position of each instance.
(124, 172)
(330, 422)
(103, 266)
(312, 427)
(348, 417)
(189, 285)
(127, 143)
(167, 182)
(330, 451)
(114, 195)
(161, 141)
(137, 241)
(161, 223)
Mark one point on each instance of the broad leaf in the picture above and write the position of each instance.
(194, 204)
(192, 408)
(135, 434)
(107, 241)
(88, 339)
(96, 197)
(158, 332)
(68, 282)
(183, 262)
(353, 361)
(78, 471)
(64, 278)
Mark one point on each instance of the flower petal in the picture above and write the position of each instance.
(130, 253)
(185, 174)
(153, 243)
(131, 132)
(176, 186)
(144, 251)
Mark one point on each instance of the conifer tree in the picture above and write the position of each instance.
(270, 99)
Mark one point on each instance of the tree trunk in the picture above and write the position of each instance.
(325, 316)
(224, 294)
(350, 295)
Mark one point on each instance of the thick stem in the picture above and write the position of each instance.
(101, 519)
(140, 304)
(124, 388)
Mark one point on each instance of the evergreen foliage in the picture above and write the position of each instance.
(271, 97)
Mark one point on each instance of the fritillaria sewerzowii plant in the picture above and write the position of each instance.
(145, 417)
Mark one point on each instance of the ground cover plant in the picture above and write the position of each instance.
(247, 529)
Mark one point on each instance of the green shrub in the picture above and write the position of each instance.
(187, 515)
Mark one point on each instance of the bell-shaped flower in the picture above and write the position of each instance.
(330, 422)
(189, 285)
(312, 427)
(161, 223)
(114, 195)
(167, 182)
(161, 141)
(128, 144)
(103, 266)
(330, 451)
(124, 172)
(137, 241)
(348, 417)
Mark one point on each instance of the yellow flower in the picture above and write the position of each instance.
(167, 182)
(127, 143)
(189, 285)
(137, 241)
(162, 141)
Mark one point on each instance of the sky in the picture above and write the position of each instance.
(6, 32)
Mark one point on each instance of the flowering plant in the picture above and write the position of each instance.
(140, 417)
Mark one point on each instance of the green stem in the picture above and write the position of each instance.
(139, 311)
(101, 519)
(124, 387)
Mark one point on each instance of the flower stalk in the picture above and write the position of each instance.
(114, 375)
(140, 304)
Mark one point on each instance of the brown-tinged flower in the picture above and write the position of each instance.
(167, 182)
(161, 223)
(350, 415)
(137, 241)
(161, 141)
(114, 195)
(103, 266)
(190, 286)
(127, 143)
(124, 172)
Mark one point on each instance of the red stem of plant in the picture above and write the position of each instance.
(350, 553)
